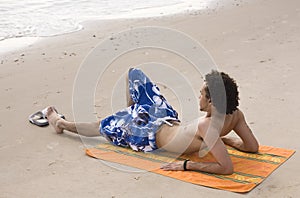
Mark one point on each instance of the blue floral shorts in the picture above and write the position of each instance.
(136, 125)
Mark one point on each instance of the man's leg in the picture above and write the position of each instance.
(85, 129)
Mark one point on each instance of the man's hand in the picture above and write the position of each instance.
(175, 166)
(239, 144)
(234, 142)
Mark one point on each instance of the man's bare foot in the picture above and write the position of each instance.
(54, 119)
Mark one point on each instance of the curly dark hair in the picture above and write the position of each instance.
(215, 91)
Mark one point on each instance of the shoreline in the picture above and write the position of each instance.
(261, 51)
(12, 44)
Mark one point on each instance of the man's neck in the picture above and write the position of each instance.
(214, 112)
(208, 114)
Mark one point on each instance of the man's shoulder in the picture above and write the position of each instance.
(203, 121)
(203, 124)
(239, 114)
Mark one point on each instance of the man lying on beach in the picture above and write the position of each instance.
(150, 123)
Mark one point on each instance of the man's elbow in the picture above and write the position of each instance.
(227, 170)
(253, 148)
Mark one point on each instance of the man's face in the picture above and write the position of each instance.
(204, 102)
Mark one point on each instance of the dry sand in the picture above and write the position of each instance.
(256, 42)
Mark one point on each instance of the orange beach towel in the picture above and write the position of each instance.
(249, 169)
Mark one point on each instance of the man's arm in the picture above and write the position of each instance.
(223, 164)
(248, 142)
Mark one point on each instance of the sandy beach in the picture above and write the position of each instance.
(257, 42)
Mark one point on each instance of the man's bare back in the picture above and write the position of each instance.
(169, 137)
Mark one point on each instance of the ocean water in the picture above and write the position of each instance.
(24, 21)
(39, 18)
